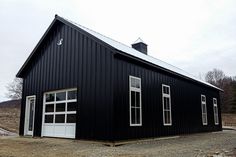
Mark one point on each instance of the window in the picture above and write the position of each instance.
(215, 109)
(60, 106)
(204, 109)
(50, 97)
(48, 119)
(49, 108)
(60, 96)
(166, 105)
(72, 95)
(135, 101)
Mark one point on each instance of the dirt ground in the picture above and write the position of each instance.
(206, 144)
(215, 144)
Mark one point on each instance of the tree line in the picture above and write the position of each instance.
(215, 77)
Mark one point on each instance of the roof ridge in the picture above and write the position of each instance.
(97, 32)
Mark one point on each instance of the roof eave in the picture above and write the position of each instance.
(167, 70)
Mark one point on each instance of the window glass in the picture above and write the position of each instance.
(138, 115)
(214, 101)
(133, 116)
(204, 110)
(60, 96)
(71, 118)
(60, 118)
(49, 108)
(203, 99)
(136, 83)
(50, 97)
(71, 106)
(204, 119)
(133, 98)
(48, 119)
(72, 95)
(137, 99)
(166, 90)
(215, 109)
(166, 117)
(167, 103)
(132, 82)
(60, 107)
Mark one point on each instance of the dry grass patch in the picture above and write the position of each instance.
(9, 118)
(229, 119)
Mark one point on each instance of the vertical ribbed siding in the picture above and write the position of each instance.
(85, 63)
(82, 63)
(185, 102)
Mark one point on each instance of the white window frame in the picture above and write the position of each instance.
(140, 92)
(203, 104)
(216, 115)
(164, 95)
(54, 103)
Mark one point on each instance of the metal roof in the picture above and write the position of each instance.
(131, 51)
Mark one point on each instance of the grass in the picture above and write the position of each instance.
(229, 119)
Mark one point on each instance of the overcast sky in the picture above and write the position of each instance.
(194, 35)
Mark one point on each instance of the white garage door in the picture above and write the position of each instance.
(59, 113)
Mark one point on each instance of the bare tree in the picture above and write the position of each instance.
(201, 76)
(227, 95)
(215, 77)
(15, 89)
(234, 78)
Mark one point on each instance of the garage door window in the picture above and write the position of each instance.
(60, 107)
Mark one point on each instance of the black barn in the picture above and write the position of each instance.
(80, 84)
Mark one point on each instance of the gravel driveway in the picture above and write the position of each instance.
(205, 144)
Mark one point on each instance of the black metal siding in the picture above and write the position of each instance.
(102, 80)
(82, 63)
(185, 101)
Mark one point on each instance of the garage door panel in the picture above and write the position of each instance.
(59, 131)
(70, 131)
(48, 130)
